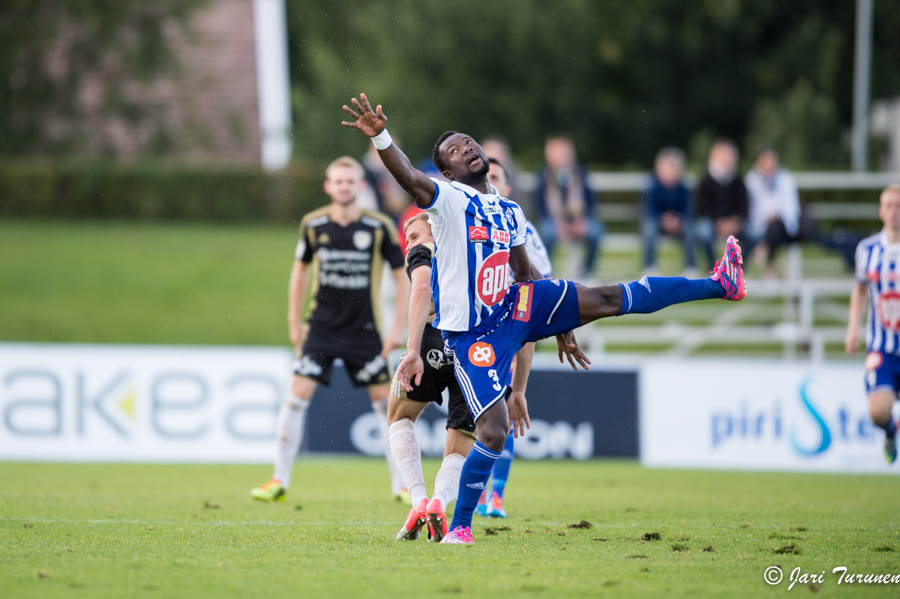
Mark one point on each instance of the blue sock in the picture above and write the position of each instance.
(655, 293)
(889, 428)
(501, 467)
(475, 473)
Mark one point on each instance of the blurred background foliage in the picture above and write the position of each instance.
(623, 78)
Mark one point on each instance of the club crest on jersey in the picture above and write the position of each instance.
(324, 239)
(889, 310)
(493, 278)
(499, 236)
(362, 240)
(478, 234)
(523, 302)
(874, 360)
(481, 354)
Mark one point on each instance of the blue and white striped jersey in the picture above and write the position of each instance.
(537, 252)
(878, 265)
(473, 234)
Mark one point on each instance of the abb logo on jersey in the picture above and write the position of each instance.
(493, 278)
(478, 234)
(889, 310)
(500, 236)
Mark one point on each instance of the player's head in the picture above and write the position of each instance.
(459, 158)
(344, 178)
(417, 230)
(889, 206)
(497, 176)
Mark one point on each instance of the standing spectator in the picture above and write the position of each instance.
(720, 201)
(564, 201)
(774, 206)
(667, 209)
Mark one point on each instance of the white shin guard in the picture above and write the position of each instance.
(289, 434)
(404, 446)
(446, 483)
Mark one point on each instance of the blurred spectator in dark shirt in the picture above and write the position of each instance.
(720, 200)
(667, 209)
(564, 201)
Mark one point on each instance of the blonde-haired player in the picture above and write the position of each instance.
(878, 276)
(347, 246)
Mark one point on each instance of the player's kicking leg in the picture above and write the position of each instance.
(289, 434)
(480, 353)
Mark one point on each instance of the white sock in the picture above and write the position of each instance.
(446, 483)
(405, 450)
(289, 433)
(380, 409)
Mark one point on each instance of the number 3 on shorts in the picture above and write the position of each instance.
(493, 374)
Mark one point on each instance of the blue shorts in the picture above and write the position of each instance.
(882, 372)
(482, 356)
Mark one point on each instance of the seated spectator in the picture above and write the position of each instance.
(565, 203)
(774, 207)
(667, 209)
(720, 200)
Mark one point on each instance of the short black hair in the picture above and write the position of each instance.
(502, 168)
(436, 152)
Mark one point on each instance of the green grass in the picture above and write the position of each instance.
(144, 283)
(192, 531)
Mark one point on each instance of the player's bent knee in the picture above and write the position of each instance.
(598, 302)
(880, 404)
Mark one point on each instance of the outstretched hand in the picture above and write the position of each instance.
(369, 122)
(566, 344)
(518, 413)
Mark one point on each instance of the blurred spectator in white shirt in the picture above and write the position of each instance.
(774, 206)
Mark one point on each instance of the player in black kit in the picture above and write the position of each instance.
(347, 247)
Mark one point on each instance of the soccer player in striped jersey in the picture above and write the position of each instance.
(492, 505)
(878, 275)
(485, 321)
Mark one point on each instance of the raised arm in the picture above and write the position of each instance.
(372, 124)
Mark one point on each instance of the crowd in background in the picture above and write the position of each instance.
(761, 208)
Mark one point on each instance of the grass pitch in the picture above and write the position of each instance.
(192, 531)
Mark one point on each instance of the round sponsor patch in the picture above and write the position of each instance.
(889, 310)
(436, 359)
(493, 278)
(874, 360)
(362, 240)
(481, 354)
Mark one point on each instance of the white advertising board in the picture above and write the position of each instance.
(140, 403)
(761, 415)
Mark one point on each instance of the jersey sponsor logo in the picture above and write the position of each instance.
(481, 354)
(491, 209)
(874, 360)
(478, 234)
(500, 236)
(889, 310)
(493, 278)
(362, 240)
(523, 304)
(890, 277)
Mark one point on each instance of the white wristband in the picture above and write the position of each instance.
(382, 141)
